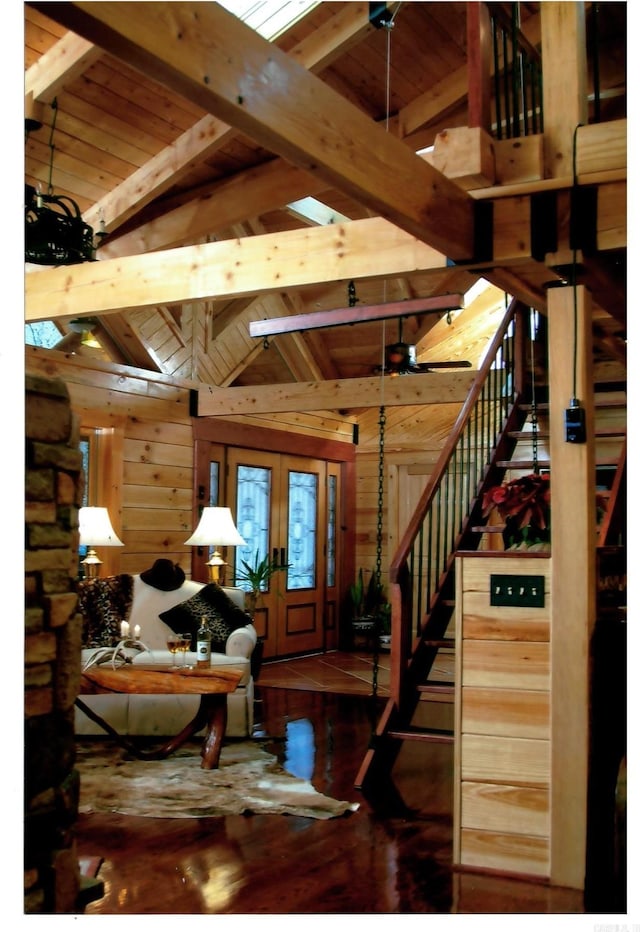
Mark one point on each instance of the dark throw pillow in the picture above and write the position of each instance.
(222, 615)
(105, 604)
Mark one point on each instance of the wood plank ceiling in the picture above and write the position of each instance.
(152, 161)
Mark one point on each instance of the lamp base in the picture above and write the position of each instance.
(216, 571)
(92, 564)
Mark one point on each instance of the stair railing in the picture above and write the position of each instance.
(427, 547)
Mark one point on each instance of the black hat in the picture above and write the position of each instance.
(164, 575)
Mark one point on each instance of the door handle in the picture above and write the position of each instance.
(283, 556)
(275, 556)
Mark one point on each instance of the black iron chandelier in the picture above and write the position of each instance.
(55, 233)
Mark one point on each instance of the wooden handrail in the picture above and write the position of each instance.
(422, 562)
(413, 528)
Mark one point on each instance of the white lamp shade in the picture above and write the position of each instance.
(96, 530)
(216, 529)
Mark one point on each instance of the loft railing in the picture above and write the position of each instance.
(517, 77)
(504, 73)
(426, 551)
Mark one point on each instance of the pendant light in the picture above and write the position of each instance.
(55, 233)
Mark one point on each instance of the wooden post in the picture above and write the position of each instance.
(479, 66)
(573, 543)
(564, 64)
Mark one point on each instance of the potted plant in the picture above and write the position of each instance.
(258, 576)
(524, 506)
(369, 606)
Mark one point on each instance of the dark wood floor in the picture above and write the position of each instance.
(368, 862)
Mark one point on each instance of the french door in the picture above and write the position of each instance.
(286, 506)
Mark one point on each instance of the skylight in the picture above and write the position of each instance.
(269, 18)
(43, 333)
(311, 210)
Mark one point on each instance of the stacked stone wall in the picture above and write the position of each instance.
(53, 493)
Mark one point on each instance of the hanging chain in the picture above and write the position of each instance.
(381, 424)
(534, 410)
(351, 291)
(54, 107)
(376, 625)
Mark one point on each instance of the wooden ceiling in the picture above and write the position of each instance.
(163, 161)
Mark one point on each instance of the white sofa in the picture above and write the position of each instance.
(167, 715)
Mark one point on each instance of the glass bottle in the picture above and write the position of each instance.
(203, 644)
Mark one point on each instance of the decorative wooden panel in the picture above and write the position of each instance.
(521, 854)
(517, 761)
(523, 810)
(510, 664)
(502, 721)
(518, 713)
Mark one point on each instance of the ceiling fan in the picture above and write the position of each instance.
(400, 359)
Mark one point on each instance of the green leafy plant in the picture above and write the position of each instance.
(258, 574)
(367, 600)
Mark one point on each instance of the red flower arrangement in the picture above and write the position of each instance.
(524, 504)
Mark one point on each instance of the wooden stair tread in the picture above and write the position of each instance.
(436, 686)
(546, 464)
(522, 464)
(544, 434)
(411, 733)
(444, 643)
(602, 404)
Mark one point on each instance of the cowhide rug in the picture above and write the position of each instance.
(248, 780)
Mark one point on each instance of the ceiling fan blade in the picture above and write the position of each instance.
(448, 364)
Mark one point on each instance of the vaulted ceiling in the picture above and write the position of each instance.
(188, 142)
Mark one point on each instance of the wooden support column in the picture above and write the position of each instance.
(564, 62)
(479, 65)
(573, 542)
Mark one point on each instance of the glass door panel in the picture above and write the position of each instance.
(253, 514)
(302, 530)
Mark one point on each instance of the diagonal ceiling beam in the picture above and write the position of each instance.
(199, 142)
(215, 61)
(219, 205)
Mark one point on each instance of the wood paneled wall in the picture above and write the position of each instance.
(147, 417)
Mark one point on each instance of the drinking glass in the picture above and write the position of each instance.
(174, 643)
(185, 645)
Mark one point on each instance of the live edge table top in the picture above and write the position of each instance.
(211, 685)
(158, 680)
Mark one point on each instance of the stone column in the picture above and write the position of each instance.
(53, 626)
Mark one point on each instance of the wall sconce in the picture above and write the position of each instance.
(216, 529)
(96, 531)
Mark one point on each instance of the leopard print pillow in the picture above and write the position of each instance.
(105, 604)
(213, 604)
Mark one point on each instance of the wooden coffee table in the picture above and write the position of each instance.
(211, 685)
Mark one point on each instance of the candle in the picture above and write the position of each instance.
(124, 629)
(137, 632)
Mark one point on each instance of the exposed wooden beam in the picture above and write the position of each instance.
(208, 135)
(248, 266)
(354, 315)
(370, 248)
(423, 389)
(217, 206)
(60, 65)
(250, 88)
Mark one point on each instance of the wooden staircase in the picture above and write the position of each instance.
(489, 438)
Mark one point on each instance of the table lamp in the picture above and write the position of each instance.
(96, 531)
(215, 529)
